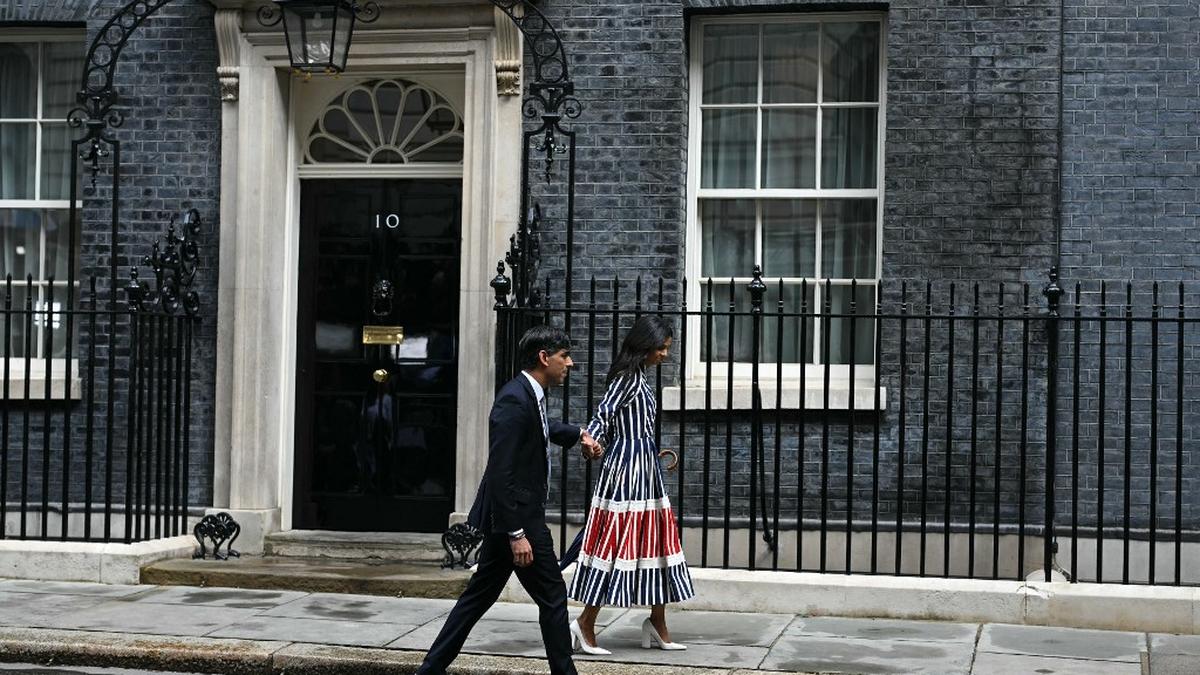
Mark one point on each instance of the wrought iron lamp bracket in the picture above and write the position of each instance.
(270, 15)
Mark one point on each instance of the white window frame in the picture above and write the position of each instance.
(38, 378)
(695, 368)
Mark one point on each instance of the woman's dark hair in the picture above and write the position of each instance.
(647, 335)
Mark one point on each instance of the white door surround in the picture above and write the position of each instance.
(266, 114)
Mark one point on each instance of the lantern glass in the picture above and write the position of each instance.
(317, 33)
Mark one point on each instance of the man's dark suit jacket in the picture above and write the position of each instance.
(513, 491)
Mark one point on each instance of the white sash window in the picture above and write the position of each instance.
(786, 171)
(39, 76)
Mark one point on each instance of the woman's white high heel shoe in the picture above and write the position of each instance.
(578, 644)
(651, 638)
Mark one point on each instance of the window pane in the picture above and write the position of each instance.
(18, 81)
(20, 243)
(790, 63)
(727, 148)
(722, 321)
(840, 328)
(49, 305)
(848, 238)
(790, 319)
(789, 148)
(56, 161)
(848, 148)
(16, 329)
(58, 241)
(17, 160)
(727, 229)
(851, 56)
(61, 70)
(730, 64)
(789, 238)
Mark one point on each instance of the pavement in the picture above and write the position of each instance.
(227, 630)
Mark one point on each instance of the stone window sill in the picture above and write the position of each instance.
(814, 395)
(38, 381)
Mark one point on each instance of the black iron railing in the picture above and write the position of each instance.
(73, 467)
(958, 430)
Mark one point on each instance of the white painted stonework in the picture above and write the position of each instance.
(100, 563)
(264, 123)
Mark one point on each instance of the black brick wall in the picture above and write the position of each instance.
(169, 159)
(972, 195)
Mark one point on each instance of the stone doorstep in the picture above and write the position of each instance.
(392, 546)
(254, 657)
(312, 575)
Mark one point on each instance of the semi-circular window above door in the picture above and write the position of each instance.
(386, 122)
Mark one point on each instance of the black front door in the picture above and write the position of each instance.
(375, 420)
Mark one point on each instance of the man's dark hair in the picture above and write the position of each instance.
(538, 339)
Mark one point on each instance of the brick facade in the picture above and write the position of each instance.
(981, 104)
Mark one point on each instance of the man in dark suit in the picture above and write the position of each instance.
(510, 506)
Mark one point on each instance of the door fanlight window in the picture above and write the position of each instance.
(386, 122)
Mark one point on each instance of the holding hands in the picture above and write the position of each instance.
(591, 447)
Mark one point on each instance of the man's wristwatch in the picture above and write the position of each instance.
(516, 537)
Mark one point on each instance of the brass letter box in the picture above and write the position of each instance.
(382, 335)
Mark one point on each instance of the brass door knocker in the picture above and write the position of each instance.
(381, 298)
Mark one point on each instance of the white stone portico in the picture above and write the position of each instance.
(463, 50)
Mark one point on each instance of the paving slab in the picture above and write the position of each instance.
(150, 619)
(884, 629)
(1071, 643)
(699, 627)
(696, 655)
(317, 631)
(1007, 664)
(407, 611)
(218, 597)
(525, 611)
(71, 588)
(489, 636)
(852, 655)
(1174, 654)
(302, 659)
(40, 610)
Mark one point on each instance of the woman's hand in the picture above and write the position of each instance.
(590, 447)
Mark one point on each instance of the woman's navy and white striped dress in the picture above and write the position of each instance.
(631, 551)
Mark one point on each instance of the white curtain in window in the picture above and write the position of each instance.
(62, 64)
(18, 100)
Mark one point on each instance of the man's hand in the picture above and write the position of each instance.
(591, 448)
(522, 552)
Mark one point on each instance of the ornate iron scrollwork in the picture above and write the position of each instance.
(219, 529)
(174, 260)
(270, 15)
(95, 100)
(524, 251)
(459, 541)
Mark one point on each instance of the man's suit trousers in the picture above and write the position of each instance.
(542, 580)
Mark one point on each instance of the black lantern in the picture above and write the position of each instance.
(318, 32)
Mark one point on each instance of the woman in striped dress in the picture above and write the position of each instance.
(631, 550)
